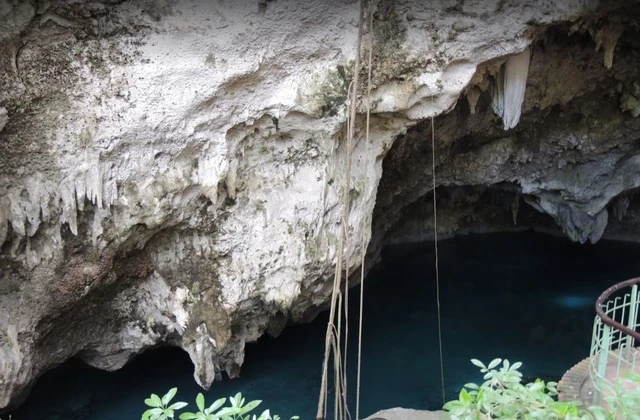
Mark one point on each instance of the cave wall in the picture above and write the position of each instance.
(569, 167)
(170, 171)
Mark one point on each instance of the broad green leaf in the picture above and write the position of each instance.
(169, 396)
(154, 413)
(154, 401)
(598, 414)
(188, 416)
(478, 363)
(494, 363)
(178, 405)
(228, 411)
(265, 415)
(200, 401)
(537, 386)
(146, 415)
(452, 405)
(465, 397)
(632, 377)
(251, 405)
(217, 404)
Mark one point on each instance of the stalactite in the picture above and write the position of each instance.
(69, 208)
(473, 94)
(4, 219)
(620, 207)
(515, 207)
(39, 199)
(498, 94)
(232, 178)
(509, 91)
(607, 37)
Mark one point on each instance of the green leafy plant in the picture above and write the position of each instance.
(160, 408)
(238, 410)
(204, 413)
(503, 396)
(621, 404)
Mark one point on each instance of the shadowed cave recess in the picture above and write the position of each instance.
(535, 221)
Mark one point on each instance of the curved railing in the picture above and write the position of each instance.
(615, 336)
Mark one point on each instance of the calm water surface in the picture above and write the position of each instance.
(522, 296)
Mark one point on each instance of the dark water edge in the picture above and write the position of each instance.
(521, 296)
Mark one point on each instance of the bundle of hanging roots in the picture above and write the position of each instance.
(336, 337)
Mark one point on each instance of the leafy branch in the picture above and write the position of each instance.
(238, 410)
(503, 397)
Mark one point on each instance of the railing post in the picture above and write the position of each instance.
(633, 314)
(602, 364)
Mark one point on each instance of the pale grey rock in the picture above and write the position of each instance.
(407, 414)
(15, 16)
(4, 119)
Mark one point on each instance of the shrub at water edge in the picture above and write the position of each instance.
(162, 409)
(502, 396)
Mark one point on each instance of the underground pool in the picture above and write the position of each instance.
(524, 296)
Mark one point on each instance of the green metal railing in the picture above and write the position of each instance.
(615, 336)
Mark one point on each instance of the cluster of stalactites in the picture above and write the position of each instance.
(508, 94)
(40, 199)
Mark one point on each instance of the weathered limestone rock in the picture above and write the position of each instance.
(572, 159)
(406, 414)
(4, 119)
(170, 171)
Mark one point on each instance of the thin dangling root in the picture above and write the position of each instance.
(362, 241)
(435, 239)
(343, 244)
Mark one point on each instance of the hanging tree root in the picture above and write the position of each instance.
(343, 244)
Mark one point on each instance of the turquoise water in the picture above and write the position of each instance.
(523, 296)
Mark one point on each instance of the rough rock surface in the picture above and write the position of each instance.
(406, 414)
(170, 171)
(571, 165)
